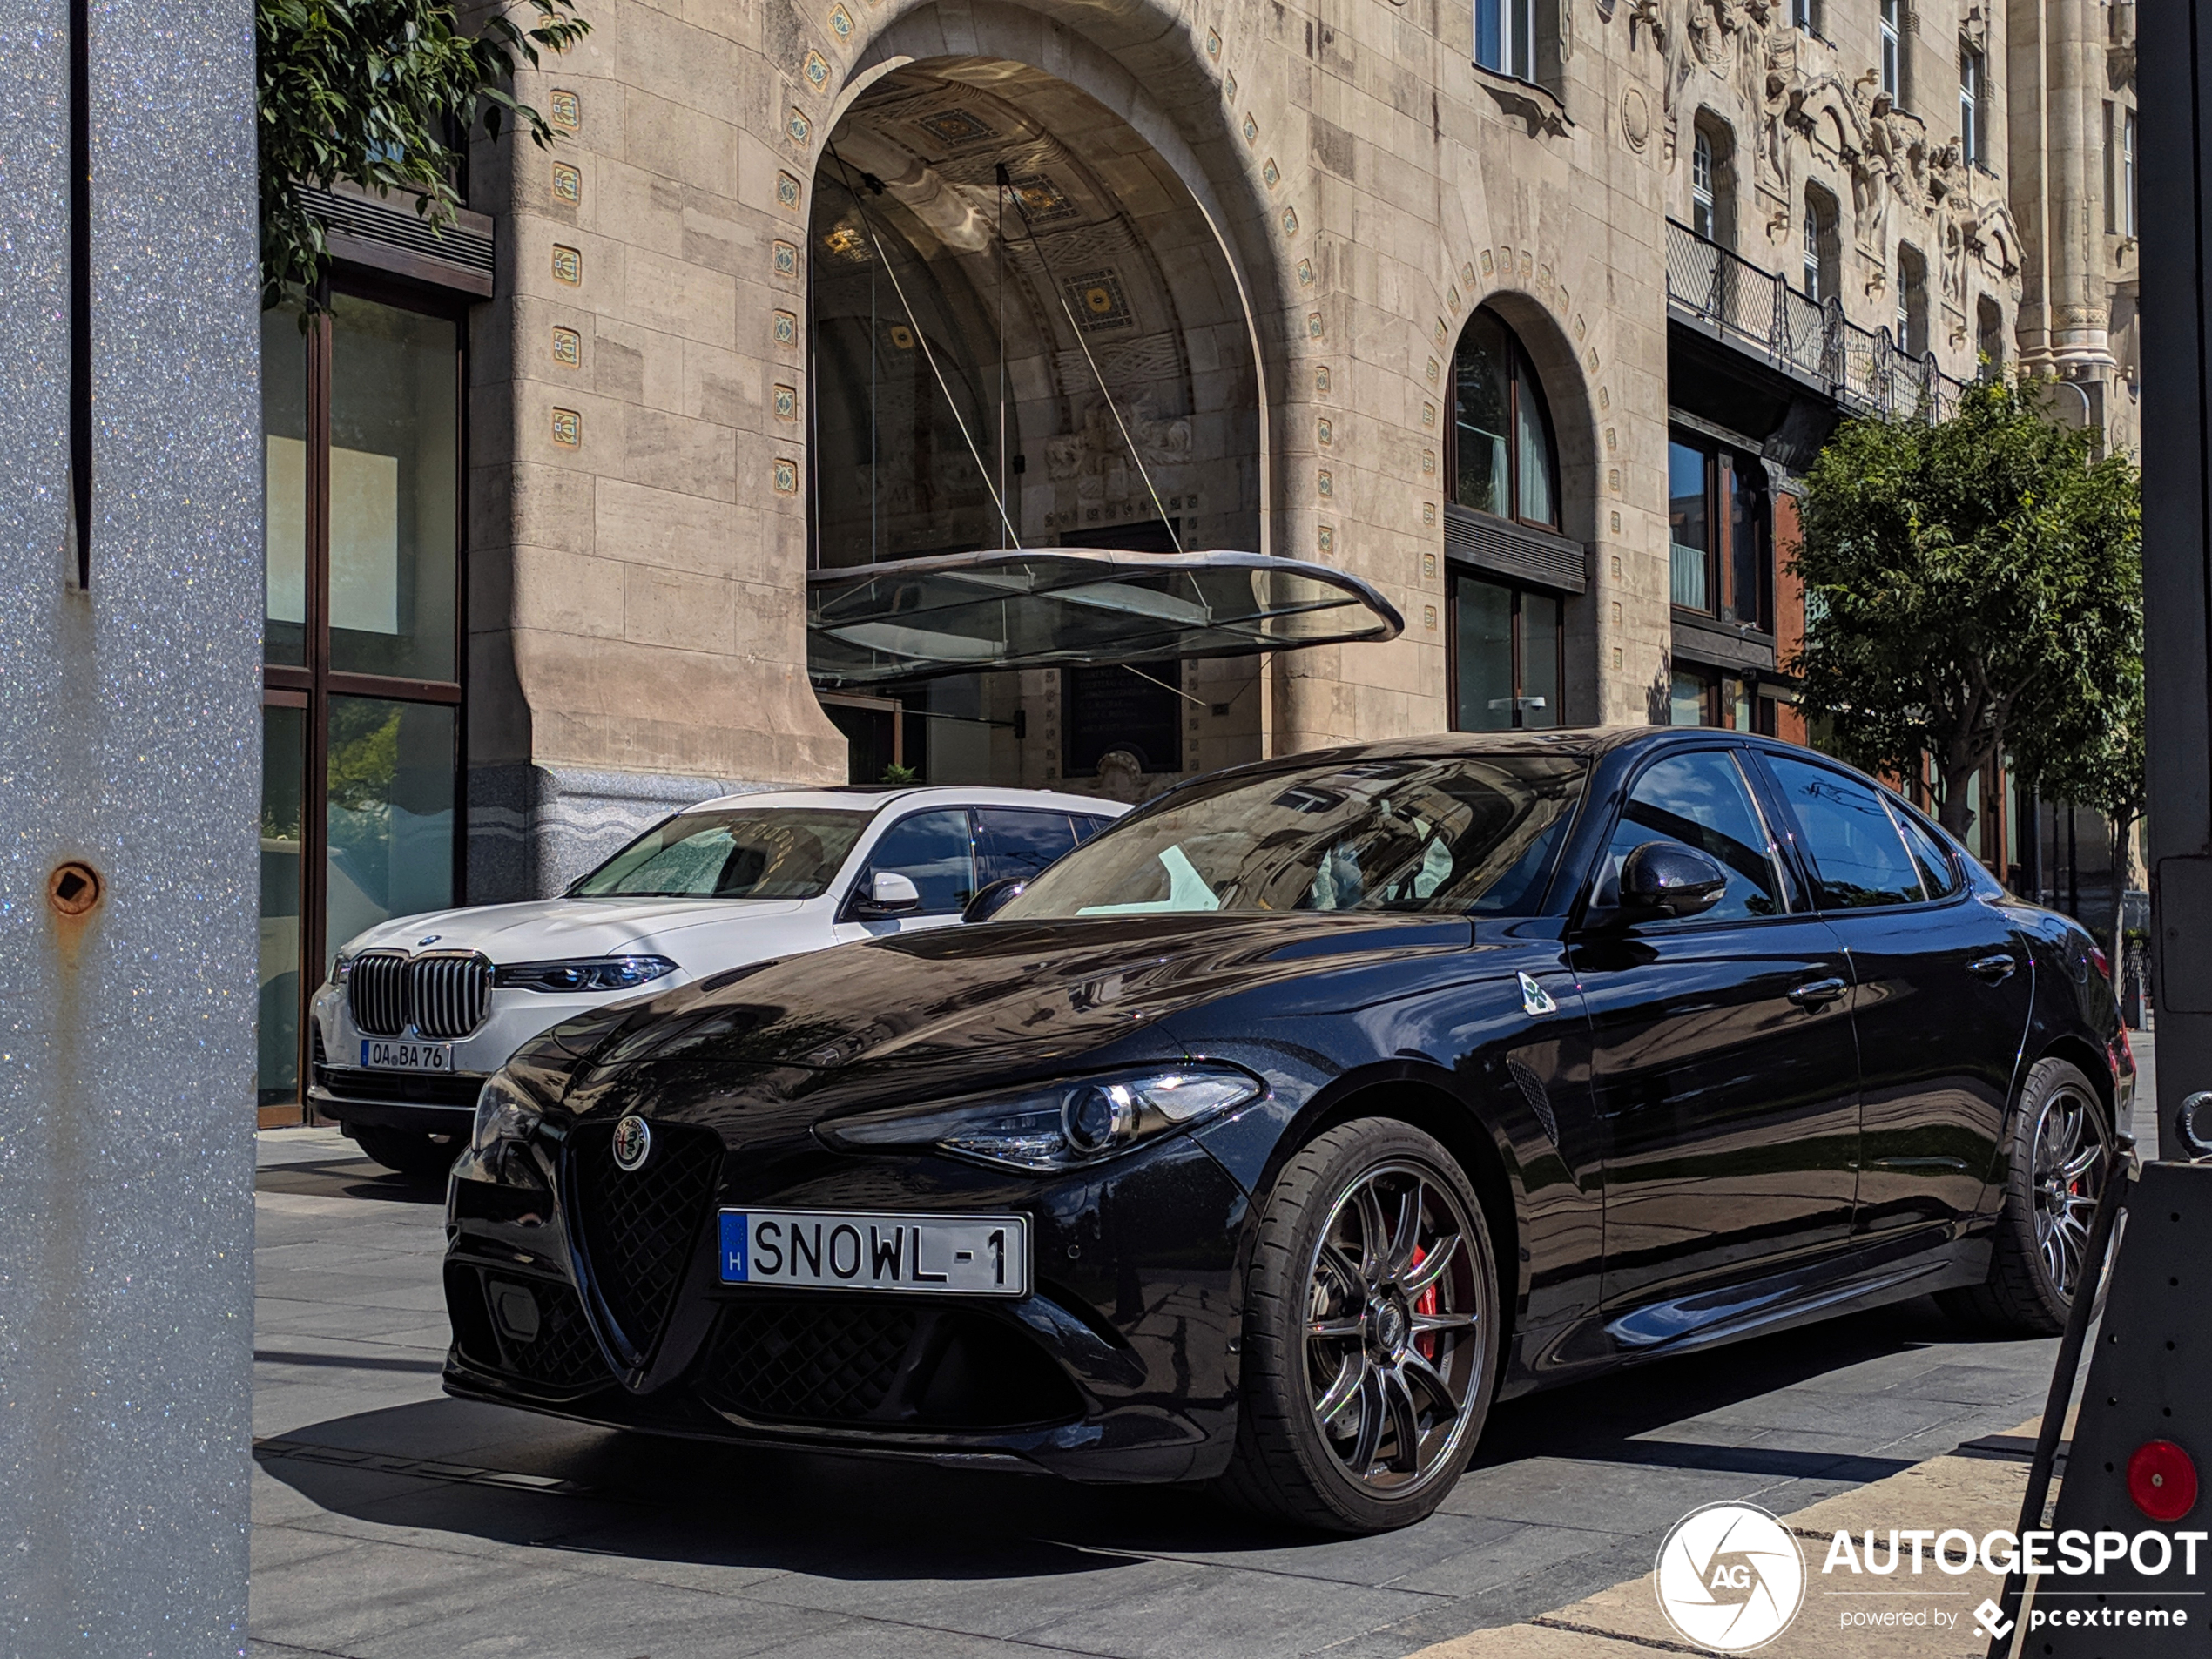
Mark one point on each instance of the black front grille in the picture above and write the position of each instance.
(640, 1226)
(831, 1359)
(403, 1088)
(551, 1344)
(444, 995)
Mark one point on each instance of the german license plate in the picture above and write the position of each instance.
(407, 1056)
(829, 1249)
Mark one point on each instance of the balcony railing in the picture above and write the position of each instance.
(1864, 369)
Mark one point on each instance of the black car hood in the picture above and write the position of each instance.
(1045, 992)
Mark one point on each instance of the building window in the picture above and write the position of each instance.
(1502, 459)
(1505, 651)
(1912, 302)
(1823, 253)
(1707, 697)
(1806, 14)
(1892, 53)
(1989, 331)
(1700, 187)
(1717, 525)
(361, 674)
(1505, 36)
(1972, 134)
(2128, 172)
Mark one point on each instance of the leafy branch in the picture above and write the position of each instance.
(382, 94)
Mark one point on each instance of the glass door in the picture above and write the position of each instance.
(362, 692)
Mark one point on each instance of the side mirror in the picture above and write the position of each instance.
(1667, 879)
(889, 894)
(988, 900)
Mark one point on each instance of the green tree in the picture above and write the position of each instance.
(1972, 586)
(382, 94)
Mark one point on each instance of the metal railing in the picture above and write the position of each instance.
(1864, 369)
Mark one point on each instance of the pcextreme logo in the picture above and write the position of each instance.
(1730, 1577)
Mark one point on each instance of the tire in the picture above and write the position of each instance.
(414, 1155)
(1379, 1346)
(2053, 1176)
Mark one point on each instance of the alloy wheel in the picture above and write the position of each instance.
(2069, 1175)
(1394, 1335)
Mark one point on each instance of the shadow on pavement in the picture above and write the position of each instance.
(456, 1466)
(344, 1177)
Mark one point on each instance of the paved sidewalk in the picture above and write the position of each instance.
(392, 1521)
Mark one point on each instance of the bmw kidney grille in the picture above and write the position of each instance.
(443, 996)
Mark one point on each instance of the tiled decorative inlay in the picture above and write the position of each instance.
(567, 183)
(564, 109)
(797, 127)
(1042, 200)
(1327, 538)
(1433, 371)
(841, 21)
(568, 429)
(956, 127)
(786, 190)
(1429, 618)
(1428, 460)
(1428, 414)
(1271, 172)
(818, 71)
(1313, 325)
(1428, 517)
(786, 258)
(787, 328)
(1306, 273)
(787, 402)
(1098, 301)
(568, 265)
(1213, 43)
(1289, 222)
(1321, 377)
(1452, 297)
(1324, 431)
(1250, 130)
(1229, 84)
(568, 348)
(1428, 567)
(1613, 480)
(1616, 530)
(1485, 263)
(1326, 484)
(787, 476)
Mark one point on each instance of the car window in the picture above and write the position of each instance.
(1936, 874)
(1087, 826)
(932, 850)
(1857, 857)
(761, 852)
(1701, 801)
(1010, 842)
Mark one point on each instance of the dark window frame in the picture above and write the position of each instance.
(1519, 362)
(1520, 592)
(1723, 464)
(312, 686)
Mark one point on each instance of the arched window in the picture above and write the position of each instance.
(1700, 187)
(1823, 252)
(1712, 180)
(1989, 327)
(1912, 302)
(1503, 462)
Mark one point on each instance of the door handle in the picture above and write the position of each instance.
(1996, 969)
(1812, 995)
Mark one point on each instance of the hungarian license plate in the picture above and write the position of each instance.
(828, 1249)
(407, 1056)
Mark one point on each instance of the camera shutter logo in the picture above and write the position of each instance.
(633, 1143)
(1730, 1577)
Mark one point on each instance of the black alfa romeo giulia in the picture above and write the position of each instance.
(1270, 1135)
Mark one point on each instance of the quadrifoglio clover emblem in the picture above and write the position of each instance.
(633, 1140)
(1730, 1577)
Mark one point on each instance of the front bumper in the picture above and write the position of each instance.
(431, 1103)
(1119, 1366)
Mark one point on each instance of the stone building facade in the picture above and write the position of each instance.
(1527, 313)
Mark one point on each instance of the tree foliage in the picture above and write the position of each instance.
(1973, 585)
(384, 94)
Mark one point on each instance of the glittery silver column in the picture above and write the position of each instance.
(128, 740)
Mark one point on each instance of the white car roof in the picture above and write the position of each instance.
(875, 798)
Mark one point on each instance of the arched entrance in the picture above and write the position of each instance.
(1024, 334)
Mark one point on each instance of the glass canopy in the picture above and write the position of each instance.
(958, 613)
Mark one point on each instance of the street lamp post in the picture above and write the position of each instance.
(130, 765)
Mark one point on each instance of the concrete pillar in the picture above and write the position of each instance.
(130, 725)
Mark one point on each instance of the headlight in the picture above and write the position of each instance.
(1060, 1126)
(505, 1117)
(585, 973)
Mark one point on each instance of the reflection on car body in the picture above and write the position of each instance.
(1336, 1097)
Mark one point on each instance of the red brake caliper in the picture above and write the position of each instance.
(1425, 1303)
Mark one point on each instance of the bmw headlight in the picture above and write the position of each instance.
(585, 973)
(342, 965)
(505, 1117)
(1059, 1126)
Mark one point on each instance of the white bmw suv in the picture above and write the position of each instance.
(420, 1009)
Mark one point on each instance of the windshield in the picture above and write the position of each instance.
(1422, 833)
(770, 853)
